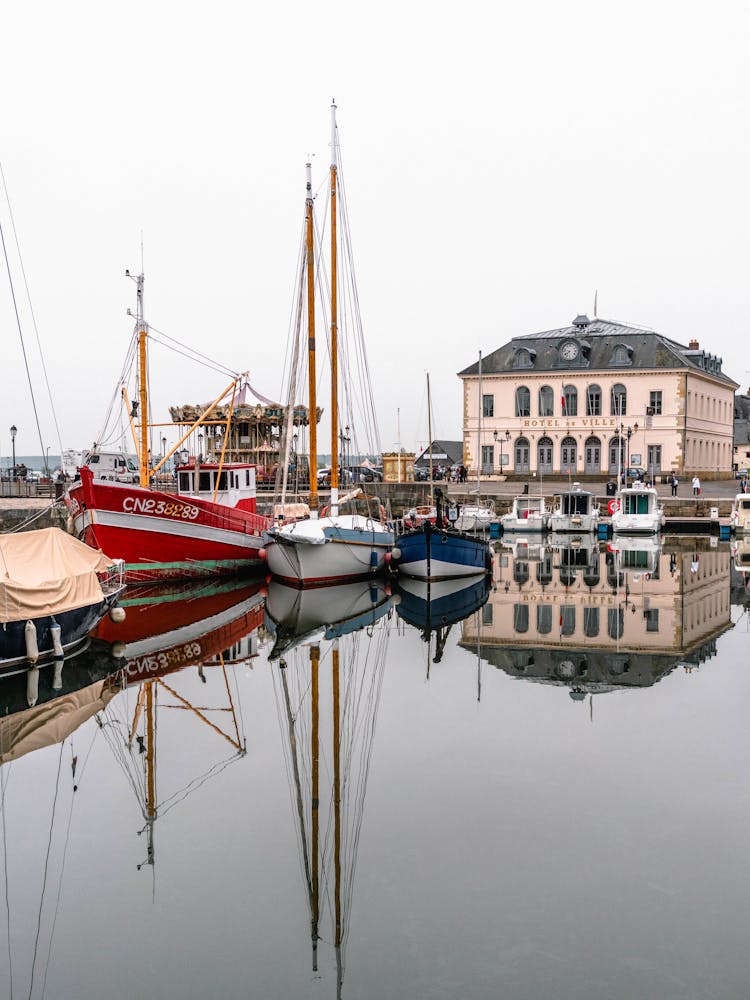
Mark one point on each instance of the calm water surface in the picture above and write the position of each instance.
(353, 793)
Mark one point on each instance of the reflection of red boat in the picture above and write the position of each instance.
(166, 629)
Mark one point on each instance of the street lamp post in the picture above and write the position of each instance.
(507, 438)
(13, 432)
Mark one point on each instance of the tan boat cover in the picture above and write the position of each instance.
(46, 572)
(51, 723)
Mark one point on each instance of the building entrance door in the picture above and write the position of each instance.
(568, 455)
(521, 450)
(544, 456)
(593, 457)
(654, 460)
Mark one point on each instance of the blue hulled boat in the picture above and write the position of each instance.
(438, 552)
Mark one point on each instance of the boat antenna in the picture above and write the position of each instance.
(429, 434)
(141, 329)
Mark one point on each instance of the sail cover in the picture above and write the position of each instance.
(46, 572)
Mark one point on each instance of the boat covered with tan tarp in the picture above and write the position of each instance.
(53, 590)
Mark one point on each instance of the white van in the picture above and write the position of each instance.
(115, 466)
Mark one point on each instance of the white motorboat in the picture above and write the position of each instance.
(528, 514)
(741, 514)
(574, 510)
(475, 517)
(636, 511)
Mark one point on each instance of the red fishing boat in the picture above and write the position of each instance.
(209, 528)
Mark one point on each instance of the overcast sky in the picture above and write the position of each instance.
(503, 161)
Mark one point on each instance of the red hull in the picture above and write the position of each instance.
(160, 536)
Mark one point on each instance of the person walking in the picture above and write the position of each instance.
(696, 486)
(675, 484)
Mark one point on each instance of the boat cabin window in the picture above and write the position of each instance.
(131, 466)
(185, 484)
(93, 460)
(635, 503)
(205, 484)
(575, 503)
(744, 504)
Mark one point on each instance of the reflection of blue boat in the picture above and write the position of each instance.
(429, 606)
(294, 615)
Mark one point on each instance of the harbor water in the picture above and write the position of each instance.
(531, 787)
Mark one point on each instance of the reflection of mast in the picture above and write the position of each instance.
(314, 663)
(337, 816)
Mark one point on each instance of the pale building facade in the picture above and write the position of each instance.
(588, 399)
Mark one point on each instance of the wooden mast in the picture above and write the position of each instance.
(334, 325)
(142, 329)
(337, 799)
(313, 421)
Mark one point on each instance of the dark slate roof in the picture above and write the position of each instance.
(597, 340)
(453, 449)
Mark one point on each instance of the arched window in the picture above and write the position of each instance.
(523, 401)
(544, 619)
(620, 355)
(619, 407)
(570, 401)
(568, 455)
(523, 359)
(593, 401)
(615, 622)
(544, 456)
(546, 401)
(521, 617)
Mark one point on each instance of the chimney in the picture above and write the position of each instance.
(694, 345)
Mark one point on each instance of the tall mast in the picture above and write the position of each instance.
(313, 415)
(142, 330)
(429, 435)
(334, 326)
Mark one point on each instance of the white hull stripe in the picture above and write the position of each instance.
(165, 526)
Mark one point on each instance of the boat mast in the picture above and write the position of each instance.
(141, 328)
(313, 415)
(429, 435)
(334, 325)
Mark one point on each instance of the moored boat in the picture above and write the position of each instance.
(475, 517)
(574, 510)
(741, 514)
(53, 592)
(528, 514)
(160, 535)
(636, 511)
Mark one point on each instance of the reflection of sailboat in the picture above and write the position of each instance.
(294, 615)
(328, 824)
(438, 605)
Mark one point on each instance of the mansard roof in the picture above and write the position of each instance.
(597, 341)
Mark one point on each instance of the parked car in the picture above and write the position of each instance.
(421, 474)
(634, 472)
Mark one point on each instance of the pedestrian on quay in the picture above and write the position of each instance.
(696, 486)
(675, 484)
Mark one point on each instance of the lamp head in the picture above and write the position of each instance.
(13, 431)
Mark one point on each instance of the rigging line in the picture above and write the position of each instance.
(31, 307)
(62, 872)
(46, 867)
(20, 334)
(210, 365)
(3, 787)
(225, 369)
(195, 783)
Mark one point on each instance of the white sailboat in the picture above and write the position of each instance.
(335, 546)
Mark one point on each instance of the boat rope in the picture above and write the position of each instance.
(31, 309)
(46, 869)
(195, 783)
(20, 335)
(190, 352)
(62, 863)
(33, 517)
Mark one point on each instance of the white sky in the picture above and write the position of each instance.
(502, 161)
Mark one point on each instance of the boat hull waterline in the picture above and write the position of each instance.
(328, 550)
(429, 553)
(160, 536)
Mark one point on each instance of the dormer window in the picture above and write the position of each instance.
(524, 358)
(621, 355)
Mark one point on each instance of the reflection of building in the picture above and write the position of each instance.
(587, 398)
(596, 619)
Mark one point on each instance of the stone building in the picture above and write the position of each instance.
(589, 398)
